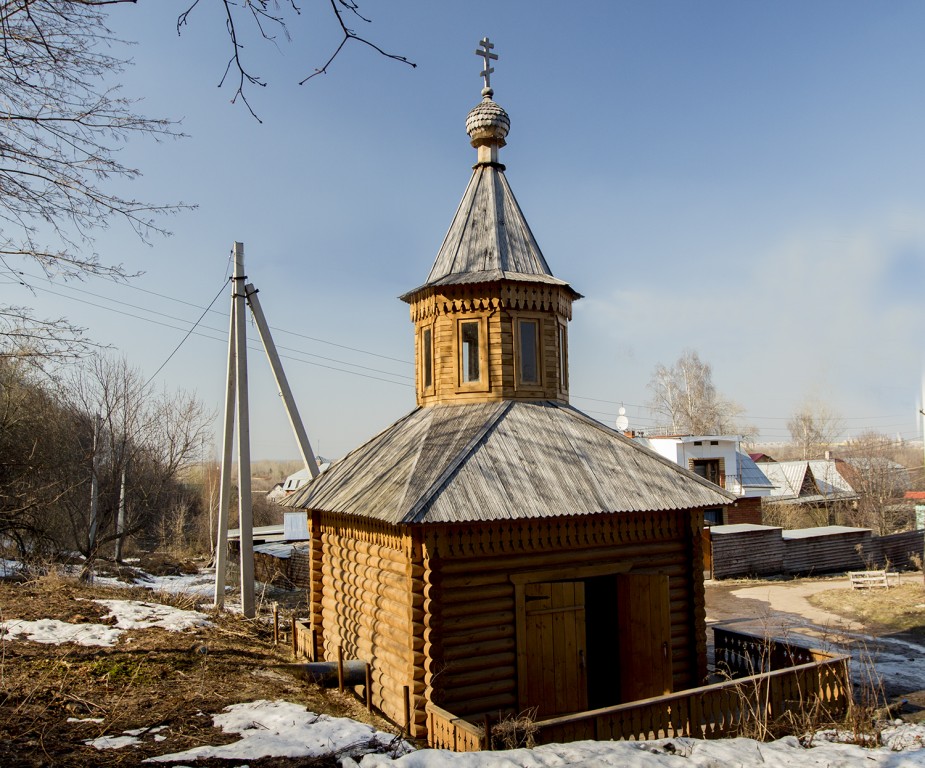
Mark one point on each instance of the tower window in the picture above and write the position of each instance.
(428, 355)
(528, 334)
(469, 351)
(563, 359)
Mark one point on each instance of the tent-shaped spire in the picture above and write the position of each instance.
(489, 238)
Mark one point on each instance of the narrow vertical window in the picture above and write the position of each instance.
(529, 358)
(563, 359)
(469, 350)
(428, 354)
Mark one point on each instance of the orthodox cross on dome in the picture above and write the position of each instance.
(488, 56)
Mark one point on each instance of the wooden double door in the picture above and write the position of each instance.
(593, 642)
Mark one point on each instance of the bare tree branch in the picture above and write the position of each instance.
(270, 19)
(62, 125)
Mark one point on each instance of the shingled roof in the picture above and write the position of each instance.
(502, 461)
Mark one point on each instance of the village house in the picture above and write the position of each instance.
(719, 459)
(495, 549)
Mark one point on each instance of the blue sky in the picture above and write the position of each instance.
(744, 179)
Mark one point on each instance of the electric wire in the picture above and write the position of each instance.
(215, 311)
(188, 334)
(646, 421)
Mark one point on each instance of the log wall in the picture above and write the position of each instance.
(497, 306)
(365, 606)
(470, 643)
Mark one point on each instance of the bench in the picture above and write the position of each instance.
(872, 579)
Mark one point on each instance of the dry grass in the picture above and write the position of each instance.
(159, 678)
(884, 611)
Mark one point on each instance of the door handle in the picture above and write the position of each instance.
(581, 659)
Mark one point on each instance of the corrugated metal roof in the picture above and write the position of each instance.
(501, 461)
(792, 478)
(489, 238)
(751, 474)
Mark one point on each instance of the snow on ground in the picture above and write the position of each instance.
(283, 729)
(54, 632)
(128, 614)
(665, 753)
(201, 584)
(132, 614)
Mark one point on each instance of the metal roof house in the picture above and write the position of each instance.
(718, 458)
(810, 482)
(496, 549)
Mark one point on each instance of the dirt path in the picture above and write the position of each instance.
(780, 609)
(776, 604)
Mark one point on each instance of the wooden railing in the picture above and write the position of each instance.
(446, 731)
(304, 644)
(739, 654)
(791, 681)
(754, 704)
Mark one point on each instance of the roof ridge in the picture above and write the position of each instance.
(413, 514)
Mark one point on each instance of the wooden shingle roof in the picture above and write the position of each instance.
(489, 238)
(502, 461)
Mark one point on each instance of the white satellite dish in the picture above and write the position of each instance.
(622, 421)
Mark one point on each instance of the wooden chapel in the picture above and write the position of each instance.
(496, 549)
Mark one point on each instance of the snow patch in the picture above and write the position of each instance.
(283, 729)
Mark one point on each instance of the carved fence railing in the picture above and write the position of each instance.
(446, 731)
(739, 654)
(791, 684)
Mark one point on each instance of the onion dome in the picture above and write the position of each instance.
(487, 123)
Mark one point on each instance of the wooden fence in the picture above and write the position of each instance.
(304, 642)
(446, 731)
(791, 681)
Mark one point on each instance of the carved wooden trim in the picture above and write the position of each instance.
(553, 534)
(479, 298)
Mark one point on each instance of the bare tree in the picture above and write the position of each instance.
(63, 122)
(147, 437)
(685, 397)
(34, 439)
(814, 427)
(880, 481)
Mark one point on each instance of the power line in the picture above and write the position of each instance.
(220, 331)
(188, 334)
(208, 309)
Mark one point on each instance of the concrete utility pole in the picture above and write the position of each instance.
(923, 466)
(245, 503)
(224, 494)
(236, 395)
(282, 384)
